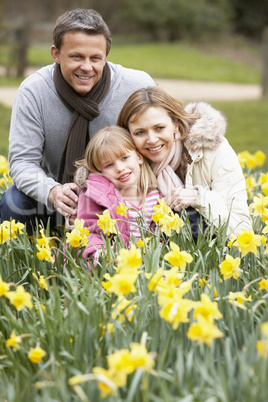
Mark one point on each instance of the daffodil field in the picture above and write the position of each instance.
(167, 319)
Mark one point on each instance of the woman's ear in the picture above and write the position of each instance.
(176, 128)
(140, 157)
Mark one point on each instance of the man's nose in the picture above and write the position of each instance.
(86, 64)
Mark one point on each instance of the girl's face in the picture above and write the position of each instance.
(123, 172)
(153, 133)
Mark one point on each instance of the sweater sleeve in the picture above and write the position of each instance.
(26, 145)
(226, 198)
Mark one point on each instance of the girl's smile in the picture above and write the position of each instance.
(124, 171)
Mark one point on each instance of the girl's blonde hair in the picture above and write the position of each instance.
(142, 99)
(114, 140)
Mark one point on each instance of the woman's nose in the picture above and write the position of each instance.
(151, 138)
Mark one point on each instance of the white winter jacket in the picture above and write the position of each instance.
(215, 171)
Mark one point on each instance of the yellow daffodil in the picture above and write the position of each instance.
(263, 284)
(262, 347)
(247, 242)
(204, 331)
(206, 308)
(123, 310)
(106, 223)
(106, 381)
(78, 235)
(9, 230)
(140, 243)
(129, 259)
(42, 282)
(121, 209)
(3, 164)
(229, 268)
(263, 180)
(122, 283)
(44, 254)
(178, 258)
(260, 158)
(36, 354)
(20, 298)
(250, 185)
(13, 341)
(238, 299)
(264, 329)
(160, 210)
(140, 357)
(4, 287)
(259, 206)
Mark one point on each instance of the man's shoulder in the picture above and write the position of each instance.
(126, 74)
(43, 76)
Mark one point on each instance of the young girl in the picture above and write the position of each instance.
(118, 173)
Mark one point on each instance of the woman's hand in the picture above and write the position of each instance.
(182, 197)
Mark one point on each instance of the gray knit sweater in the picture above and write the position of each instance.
(40, 123)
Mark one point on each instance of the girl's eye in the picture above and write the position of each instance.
(109, 165)
(124, 158)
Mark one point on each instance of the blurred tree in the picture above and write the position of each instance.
(175, 19)
(250, 17)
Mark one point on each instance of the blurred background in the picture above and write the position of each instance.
(213, 50)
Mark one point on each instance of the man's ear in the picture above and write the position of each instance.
(55, 54)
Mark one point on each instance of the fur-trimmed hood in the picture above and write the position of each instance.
(207, 131)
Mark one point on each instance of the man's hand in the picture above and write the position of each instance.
(179, 198)
(64, 198)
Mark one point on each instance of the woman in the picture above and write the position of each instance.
(193, 161)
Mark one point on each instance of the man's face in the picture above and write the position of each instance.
(82, 58)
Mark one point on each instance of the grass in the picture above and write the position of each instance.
(247, 124)
(180, 61)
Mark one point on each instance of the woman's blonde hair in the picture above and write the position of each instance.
(114, 140)
(144, 98)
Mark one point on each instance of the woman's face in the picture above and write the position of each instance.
(153, 133)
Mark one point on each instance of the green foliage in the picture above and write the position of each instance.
(250, 17)
(176, 19)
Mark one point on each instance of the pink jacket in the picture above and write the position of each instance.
(97, 195)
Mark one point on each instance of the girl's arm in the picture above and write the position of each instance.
(87, 210)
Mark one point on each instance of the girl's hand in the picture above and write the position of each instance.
(179, 198)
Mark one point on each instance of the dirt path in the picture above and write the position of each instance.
(181, 89)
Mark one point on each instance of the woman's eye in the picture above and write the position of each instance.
(159, 128)
(139, 133)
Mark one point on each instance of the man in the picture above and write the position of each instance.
(55, 113)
